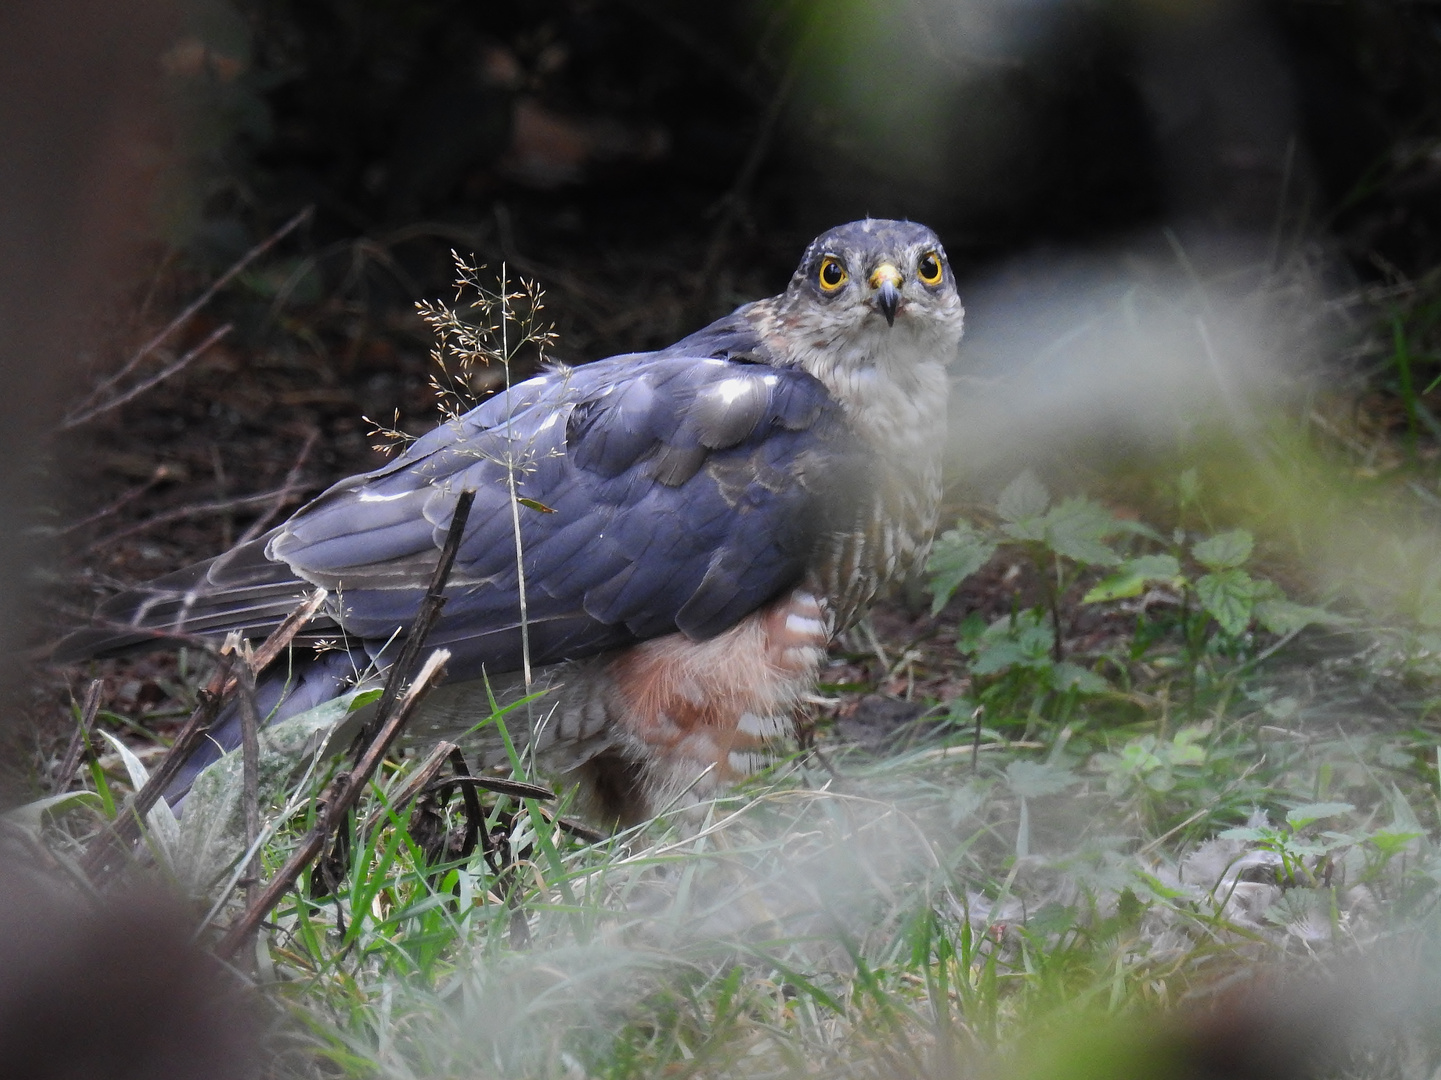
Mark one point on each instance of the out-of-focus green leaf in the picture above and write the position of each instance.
(1026, 642)
(1281, 616)
(1133, 577)
(1066, 676)
(1077, 529)
(1033, 779)
(1188, 487)
(1224, 550)
(1024, 497)
(958, 553)
(164, 829)
(970, 631)
(212, 828)
(134, 767)
(29, 816)
(1229, 597)
(1247, 833)
(1298, 817)
(1139, 528)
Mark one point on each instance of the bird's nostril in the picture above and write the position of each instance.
(886, 274)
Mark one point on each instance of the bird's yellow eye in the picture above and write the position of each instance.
(833, 275)
(929, 269)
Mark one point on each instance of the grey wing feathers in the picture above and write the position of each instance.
(662, 492)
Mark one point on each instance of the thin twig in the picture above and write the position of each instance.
(75, 419)
(425, 618)
(976, 738)
(474, 815)
(195, 305)
(729, 207)
(250, 771)
(71, 761)
(292, 484)
(337, 801)
(413, 786)
(280, 639)
(513, 492)
(575, 828)
(392, 712)
(127, 827)
(516, 789)
(162, 472)
(240, 502)
(722, 65)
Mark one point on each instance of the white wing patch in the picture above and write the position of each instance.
(730, 390)
(373, 497)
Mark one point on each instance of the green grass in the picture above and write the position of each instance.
(916, 914)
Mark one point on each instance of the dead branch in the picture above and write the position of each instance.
(474, 815)
(162, 472)
(516, 789)
(75, 419)
(185, 316)
(425, 618)
(575, 828)
(250, 766)
(292, 484)
(417, 783)
(279, 495)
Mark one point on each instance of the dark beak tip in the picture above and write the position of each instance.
(888, 299)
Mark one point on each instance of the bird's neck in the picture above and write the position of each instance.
(892, 385)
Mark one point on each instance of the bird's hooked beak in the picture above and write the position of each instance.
(886, 281)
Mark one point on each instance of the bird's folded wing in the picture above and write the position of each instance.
(653, 493)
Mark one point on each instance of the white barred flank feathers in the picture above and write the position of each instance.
(763, 727)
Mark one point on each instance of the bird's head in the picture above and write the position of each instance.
(878, 287)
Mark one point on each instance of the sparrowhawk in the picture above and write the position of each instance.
(718, 510)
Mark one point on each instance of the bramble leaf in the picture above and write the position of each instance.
(958, 553)
(1024, 497)
(1026, 643)
(1067, 676)
(1034, 779)
(1229, 597)
(1077, 529)
(1281, 616)
(1224, 550)
(1188, 487)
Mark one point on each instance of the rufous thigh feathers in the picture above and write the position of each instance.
(698, 713)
